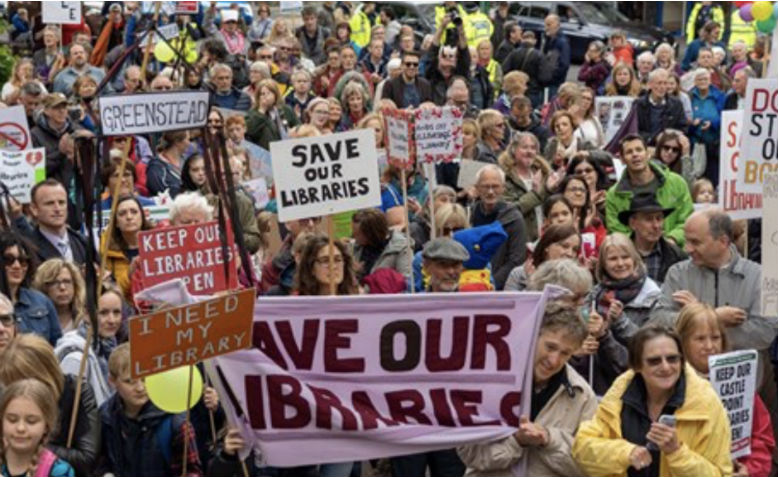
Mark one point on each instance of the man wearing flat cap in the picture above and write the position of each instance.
(443, 262)
(645, 218)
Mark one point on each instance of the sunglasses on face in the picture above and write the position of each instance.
(657, 360)
(10, 259)
(411, 64)
(674, 149)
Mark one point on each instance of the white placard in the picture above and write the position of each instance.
(438, 134)
(398, 139)
(64, 13)
(467, 171)
(123, 115)
(167, 32)
(258, 189)
(19, 171)
(324, 175)
(736, 203)
(770, 246)
(759, 144)
(612, 111)
(14, 130)
(733, 377)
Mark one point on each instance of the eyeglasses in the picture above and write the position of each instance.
(411, 64)
(489, 187)
(671, 149)
(67, 283)
(8, 320)
(325, 261)
(10, 259)
(657, 360)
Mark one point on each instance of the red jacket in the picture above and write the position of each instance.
(762, 442)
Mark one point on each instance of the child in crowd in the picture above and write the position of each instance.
(140, 439)
(703, 192)
(29, 413)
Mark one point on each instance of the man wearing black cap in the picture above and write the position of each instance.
(646, 218)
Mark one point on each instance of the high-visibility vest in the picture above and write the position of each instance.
(360, 28)
(718, 17)
(441, 12)
(478, 28)
(491, 68)
(740, 30)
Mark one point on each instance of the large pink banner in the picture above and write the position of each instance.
(333, 379)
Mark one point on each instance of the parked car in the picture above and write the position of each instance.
(584, 22)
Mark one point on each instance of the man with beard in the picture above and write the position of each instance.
(443, 259)
(63, 82)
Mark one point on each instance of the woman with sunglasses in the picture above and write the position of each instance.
(658, 418)
(673, 150)
(34, 310)
(704, 335)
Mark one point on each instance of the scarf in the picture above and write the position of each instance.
(235, 44)
(624, 290)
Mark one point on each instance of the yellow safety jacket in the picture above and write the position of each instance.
(360, 28)
(718, 16)
(440, 12)
(478, 27)
(740, 30)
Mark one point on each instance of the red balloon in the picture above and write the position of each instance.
(740, 4)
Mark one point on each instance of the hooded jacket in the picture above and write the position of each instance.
(702, 425)
(511, 253)
(572, 403)
(673, 193)
(736, 284)
(57, 164)
(69, 350)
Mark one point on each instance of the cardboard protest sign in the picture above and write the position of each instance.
(612, 111)
(733, 377)
(467, 171)
(738, 204)
(759, 144)
(187, 8)
(192, 253)
(399, 128)
(770, 245)
(362, 377)
(437, 133)
(14, 130)
(64, 13)
(19, 171)
(168, 32)
(324, 175)
(123, 115)
(189, 334)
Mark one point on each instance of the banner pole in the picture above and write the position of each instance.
(407, 224)
(211, 417)
(145, 63)
(186, 422)
(331, 238)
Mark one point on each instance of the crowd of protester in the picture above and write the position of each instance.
(657, 278)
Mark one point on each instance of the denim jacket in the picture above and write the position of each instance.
(37, 315)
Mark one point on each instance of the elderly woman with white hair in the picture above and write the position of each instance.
(665, 59)
(707, 104)
(190, 208)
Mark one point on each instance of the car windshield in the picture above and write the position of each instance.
(606, 10)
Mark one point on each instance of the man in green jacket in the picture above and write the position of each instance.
(645, 176)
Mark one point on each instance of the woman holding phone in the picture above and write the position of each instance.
(632, 432)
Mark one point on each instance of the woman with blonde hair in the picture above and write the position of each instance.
(376, 123)
(492, 140)
(278, 32)
(589, 130)
(702, 336)
(30, 356)
(514, 84)
(62, 282)
(623, 82)
(471, 133)
(317, 114)
(23, 72)
(270, 119)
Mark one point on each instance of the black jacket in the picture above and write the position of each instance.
(671, 116)
(504, 50)
(671, 254)
(393, 89)
(436, 79)
(57, 164)
(82, 455)
(511, 253)
(730, 102)
(47, 250)
(527, 59)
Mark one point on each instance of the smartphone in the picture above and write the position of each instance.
(667, 420)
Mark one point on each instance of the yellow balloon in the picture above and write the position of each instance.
(163, 53)
(762, 10)
(168, 390)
